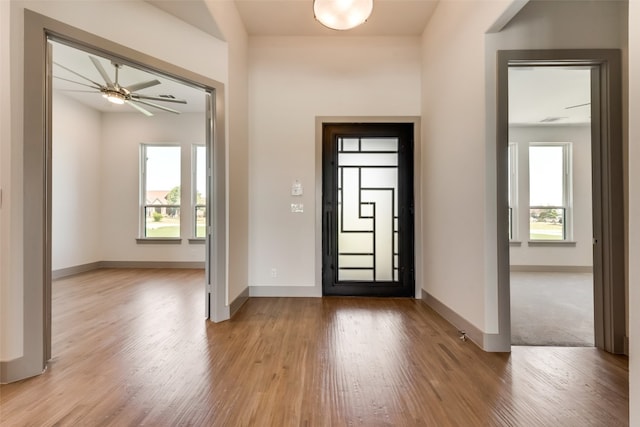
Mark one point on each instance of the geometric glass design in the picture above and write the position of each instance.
(367, 209)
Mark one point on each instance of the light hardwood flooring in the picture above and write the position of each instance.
(132, 347)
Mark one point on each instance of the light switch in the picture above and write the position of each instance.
(296, 188)
(297, 207)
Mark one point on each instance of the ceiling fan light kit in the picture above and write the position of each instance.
(114, 97)
(116, 94)
(342, 14)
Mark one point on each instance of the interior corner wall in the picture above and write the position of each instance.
(76, 199)
(457, 247)
(458, 122)
(579, 255)
(11, 292)
(237, 129)
(121, 136)
(634, 213)
(293, 80)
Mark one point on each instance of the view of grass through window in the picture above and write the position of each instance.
(162, 191)
(547, 217)
(200, 191)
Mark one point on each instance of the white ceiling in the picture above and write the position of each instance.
(295, 18)
(537, 94)
(78, 61)
(549, 95)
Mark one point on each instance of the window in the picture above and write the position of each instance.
(513, 191)
(549, 191)
(160, 191)
(199, 195)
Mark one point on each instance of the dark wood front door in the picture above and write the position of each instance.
(368, 226)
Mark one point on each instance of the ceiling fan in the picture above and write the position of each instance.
(117, 94)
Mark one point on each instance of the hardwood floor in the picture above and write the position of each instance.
(132, 347)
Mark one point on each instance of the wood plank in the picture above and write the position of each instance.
(132, 347)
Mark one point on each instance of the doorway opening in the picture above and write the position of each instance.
(550, 209)
(368, 210)
(138, 159)
(548, 220)
(36, 177)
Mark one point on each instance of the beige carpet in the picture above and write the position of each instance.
(552, 309)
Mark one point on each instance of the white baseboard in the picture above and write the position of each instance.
(487, 342)
(83, 268)
(152, 264)
(238, 302)
(285, 291)
(77, 269)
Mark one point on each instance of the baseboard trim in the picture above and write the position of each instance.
(285, 291)
(77, 269)
(238, 302)
(487, 342)
(18, 369)
(473, 333)
(83, 268)
(552, 268)
(152, 264)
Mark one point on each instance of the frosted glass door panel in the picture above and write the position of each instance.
(367, 209)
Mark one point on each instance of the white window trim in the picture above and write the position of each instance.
(513, 191)
(142, 176)
(194, 194)
(567, 190)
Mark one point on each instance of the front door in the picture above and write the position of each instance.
(367, 223)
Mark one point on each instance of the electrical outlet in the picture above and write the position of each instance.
(297, 207)
(274, 272)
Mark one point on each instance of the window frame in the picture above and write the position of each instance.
(194, 191)
(143, 206)
(512, 184)
(567, 187)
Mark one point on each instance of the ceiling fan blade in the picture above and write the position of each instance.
(142, 85)
(139, 108)
(78, 83)
(77, 74)
(576, 106)
(158, 98)
(151, 104)
(101, 70)
(80, 91)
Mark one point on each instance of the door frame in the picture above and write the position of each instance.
(36, 176)
(415, 120)
(607, 186)
(406, 274)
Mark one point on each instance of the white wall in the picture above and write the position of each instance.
(164, 37)
(292, 81)
(122, 134)
(11, 291)
(76, 196)
(560, 255)
(459, 246)
(634, 212)
(237, 91)
(458, 112)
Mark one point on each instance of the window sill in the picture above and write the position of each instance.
(197, 241)
(515, 243)
(159, 241)
(552, 243)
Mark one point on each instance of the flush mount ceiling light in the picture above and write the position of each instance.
(342, 14)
